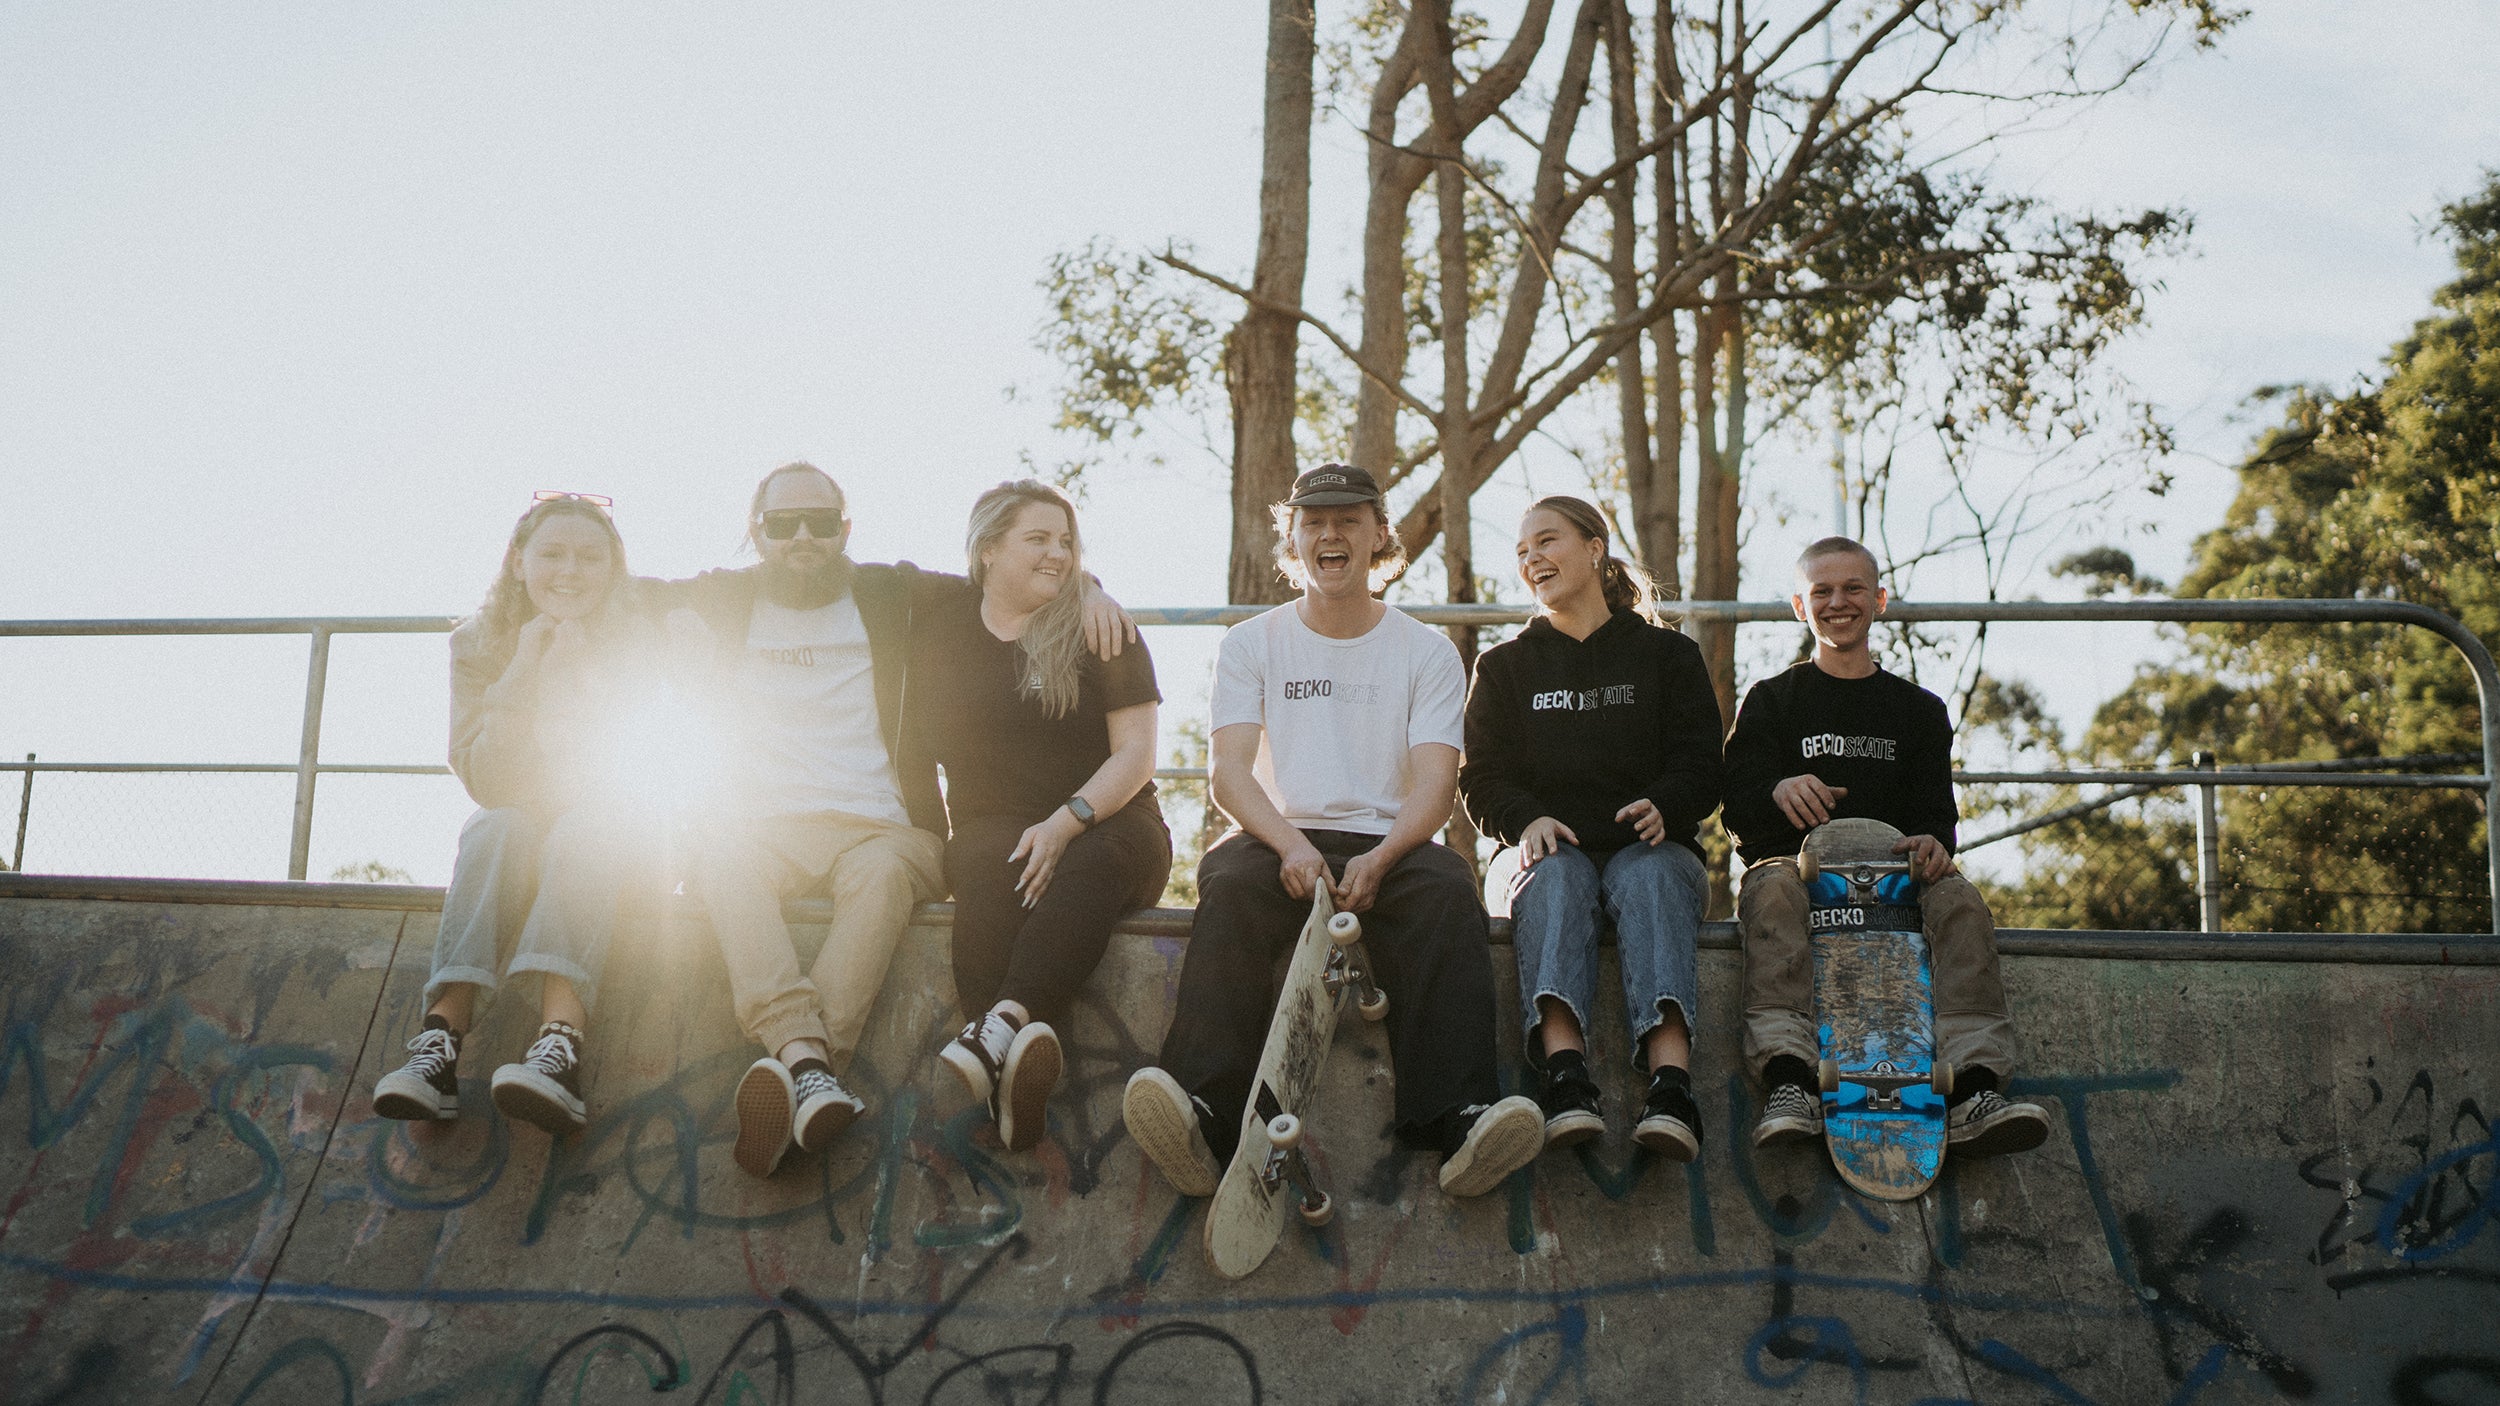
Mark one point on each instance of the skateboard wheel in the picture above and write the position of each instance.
(1318, 1213)
(1828, 1075)
(1807, 868)
(1940, 1078)
(1284, 1130)
(1344, 928)
(1377, 1008)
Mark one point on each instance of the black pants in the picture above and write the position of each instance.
(1430, 948)
(1040, 956)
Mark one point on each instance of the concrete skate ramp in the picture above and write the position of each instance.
(2268, 1180)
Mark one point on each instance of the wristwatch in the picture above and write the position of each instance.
(1084, 813)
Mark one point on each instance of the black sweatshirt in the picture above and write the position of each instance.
(1883, 738)
(1579, 729)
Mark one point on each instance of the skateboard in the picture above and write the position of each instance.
(1874, 1011)
(1248, 1213)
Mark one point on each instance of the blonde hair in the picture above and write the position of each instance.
(1387, 566)
(1627, 587)
(507, 606)
(1054, 638)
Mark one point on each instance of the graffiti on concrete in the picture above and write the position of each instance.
(179, 1165)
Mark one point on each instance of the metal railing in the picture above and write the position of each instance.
(308, 767)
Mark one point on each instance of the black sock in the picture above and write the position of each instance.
(811, 1062)
(1561, 1060)
(1969, 1082)
(436, 1022)
(1788, 1069)
(1671, 1075)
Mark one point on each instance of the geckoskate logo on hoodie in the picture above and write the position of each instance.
(1582, 700)
(1832, 744)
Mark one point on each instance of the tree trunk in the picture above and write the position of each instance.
(1457, 432)
(1623, 258)
(1658, 505)
(1260, 351)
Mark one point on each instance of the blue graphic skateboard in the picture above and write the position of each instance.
(1874, 1011)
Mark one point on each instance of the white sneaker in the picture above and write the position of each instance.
(1503, 1138)
(1165, 1122)
(825, 1108)
(1029, 1075)
(767, 1105)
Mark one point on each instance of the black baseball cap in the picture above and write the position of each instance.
(1334, 485)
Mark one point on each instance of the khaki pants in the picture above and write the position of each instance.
(1973, 1026)
(874, 871)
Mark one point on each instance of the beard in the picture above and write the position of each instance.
(807, 587)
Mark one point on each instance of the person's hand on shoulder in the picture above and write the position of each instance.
(1108, 628)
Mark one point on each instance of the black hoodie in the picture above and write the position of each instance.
(1579, 729)
(1882, 738)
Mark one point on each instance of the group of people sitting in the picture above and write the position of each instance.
(1343, 733)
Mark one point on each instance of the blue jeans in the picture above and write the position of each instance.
(1655, 895)
(532, 892)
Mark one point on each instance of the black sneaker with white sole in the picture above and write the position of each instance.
(825, 1108)
(1987, 1124)
(1568, 1097)
(1500, 1139)
(427, 1087)
(979, 1055)
(1026, 1079)
(1670, 1121)
(1169, 1127)
(1790, 1113)
(544, 1089)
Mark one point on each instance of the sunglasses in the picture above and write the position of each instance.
(782, 524)
(550, 495)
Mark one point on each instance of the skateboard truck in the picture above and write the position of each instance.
(1286, 1164)
(1885, 1081)
(1350, 965)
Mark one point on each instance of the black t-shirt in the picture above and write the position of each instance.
(1003, 755)
(1885, 739)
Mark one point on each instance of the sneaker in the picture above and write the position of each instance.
(980, 1052)
(427, 1087)
(1167, 1125)
(545, 1088)
(1670, 1123)
(825, 1108)
(1789, 1114)
(1568, 1098)
(767, 1105)
(1501, 1138)
(1030, 1073)
(1985, 1125)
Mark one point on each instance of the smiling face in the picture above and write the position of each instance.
(1558, 564)
(1838, 598)
(1336, 546)
(567, 566)
(1027, 567)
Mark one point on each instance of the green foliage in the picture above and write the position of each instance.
(370, 871)
(1127, 336)
(2392, 491)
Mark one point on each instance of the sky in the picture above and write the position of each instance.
(299, 303)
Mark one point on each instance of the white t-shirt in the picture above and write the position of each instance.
(812, 715)
(1339, 715)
